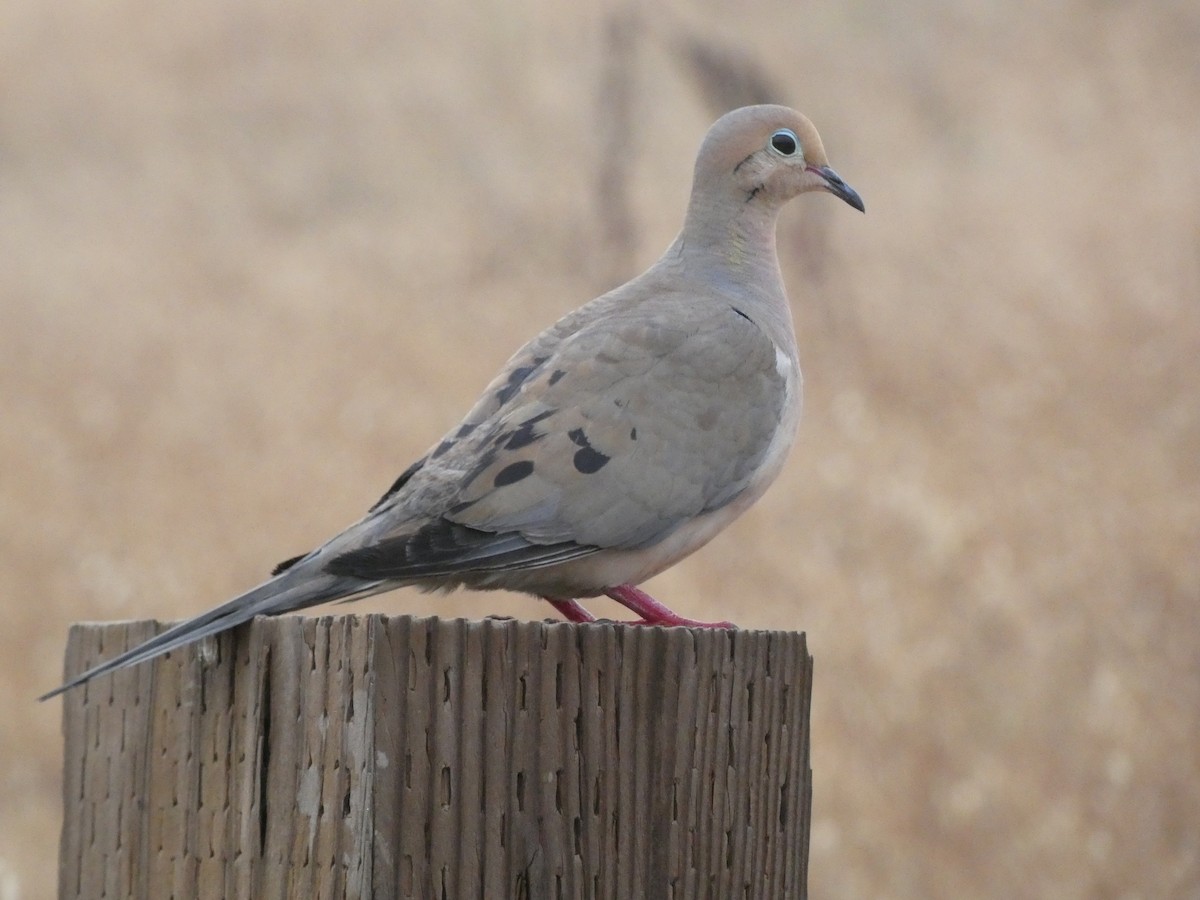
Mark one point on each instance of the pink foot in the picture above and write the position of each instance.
(654, 613)
(571, 610)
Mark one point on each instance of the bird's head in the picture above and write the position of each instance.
(769, 154)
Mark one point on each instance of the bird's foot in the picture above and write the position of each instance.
(571, 610)
(654, 613)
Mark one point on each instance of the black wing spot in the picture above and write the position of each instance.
(556, 375)
(399, 483)
(397, 486)
(287, 564)
(442, 548)
(633, 434)
(524, 435)
(513, 473)
(742, 314)
(464, 430)
(516, 378)
(588, 459)
(441, 449)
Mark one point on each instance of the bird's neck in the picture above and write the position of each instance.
(731, 240)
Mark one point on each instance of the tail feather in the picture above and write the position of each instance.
(281, 594)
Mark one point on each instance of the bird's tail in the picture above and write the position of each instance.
(291, 590)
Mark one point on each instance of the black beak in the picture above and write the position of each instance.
(839, 188)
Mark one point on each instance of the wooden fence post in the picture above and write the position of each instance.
(377, 757)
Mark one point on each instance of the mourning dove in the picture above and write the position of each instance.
(616, 442)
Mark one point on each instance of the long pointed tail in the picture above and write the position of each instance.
(288, 591)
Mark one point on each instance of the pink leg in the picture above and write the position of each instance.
(571, 610)
(653, 612)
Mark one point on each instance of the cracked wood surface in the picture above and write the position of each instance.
(372, 756)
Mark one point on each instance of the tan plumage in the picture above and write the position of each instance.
(616, 442)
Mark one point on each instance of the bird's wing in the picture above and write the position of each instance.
(609, 436)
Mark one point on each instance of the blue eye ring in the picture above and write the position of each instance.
(785, 143)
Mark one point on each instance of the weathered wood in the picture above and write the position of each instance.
(375, 757)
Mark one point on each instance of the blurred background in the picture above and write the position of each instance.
(258, 257)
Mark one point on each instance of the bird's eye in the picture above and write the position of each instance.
(785, 143)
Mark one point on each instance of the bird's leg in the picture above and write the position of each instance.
(571, 610)
(653, 612)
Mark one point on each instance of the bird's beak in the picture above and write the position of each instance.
(837, 187)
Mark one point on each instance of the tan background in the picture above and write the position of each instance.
(256, 257)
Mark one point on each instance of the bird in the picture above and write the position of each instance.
(616, 442)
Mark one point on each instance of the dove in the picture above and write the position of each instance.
(615, 443)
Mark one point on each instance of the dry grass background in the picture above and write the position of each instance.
(257, 257)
